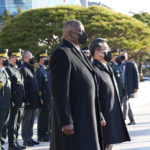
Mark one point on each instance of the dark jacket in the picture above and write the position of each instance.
(118, 75)
(31, 88)
(17, 85)
(74, 100)
(43, 84)
(131, 78)
(5, 91)
(115, 130)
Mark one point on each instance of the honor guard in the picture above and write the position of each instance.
(5, 97)
(17, 92)
(118, 74)
(44, 90)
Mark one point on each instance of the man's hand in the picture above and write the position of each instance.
(103, 123)
(68, 129)
(42, 101)
(13, 104)
(135, 90)
(27, 104)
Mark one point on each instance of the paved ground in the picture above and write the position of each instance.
(140, 133)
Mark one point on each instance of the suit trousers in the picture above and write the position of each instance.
(4, 119)
(43, 120)
(108, 147)
(27, 124)
(14, 124)
(127, 109)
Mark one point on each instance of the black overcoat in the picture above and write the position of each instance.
(74, 100)
(30, 86)
(115, 130)
(131, 78)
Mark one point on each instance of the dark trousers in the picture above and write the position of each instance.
(27, 124)
(4, 119)
(108, 147)
(127, 109)
(14, 125)
(43, 120)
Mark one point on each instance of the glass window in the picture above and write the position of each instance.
(11, 5)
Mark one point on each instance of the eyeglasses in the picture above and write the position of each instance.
(104, 48)
(76, 33)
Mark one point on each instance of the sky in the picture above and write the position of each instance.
(125, 6)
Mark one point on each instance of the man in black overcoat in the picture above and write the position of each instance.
(130, 77)
(75, 108)
(32, 99)
(115, 130)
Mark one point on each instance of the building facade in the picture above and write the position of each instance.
(12, 5)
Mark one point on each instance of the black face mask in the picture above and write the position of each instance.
(107, 56)
(18, 62)
(46, 62)
(31, 61)
(82, 38)
(122, 57)
(118, 60)
(5, 62)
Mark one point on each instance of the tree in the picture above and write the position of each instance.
(144, 17)
(42, 28)
(6, 15)
(19, 10)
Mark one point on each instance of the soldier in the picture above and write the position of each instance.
(5, 95)
(86, 51)
(17, 91)
(118, 74)
(44, 90)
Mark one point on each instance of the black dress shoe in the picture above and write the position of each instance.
(34, 142)
(13, 147)
(43, 139)
(131, 123)
(21, 147)
(28, 143)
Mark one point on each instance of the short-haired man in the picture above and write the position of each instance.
(32, 99)
(115, 130)
(75, 110)
(130, 78)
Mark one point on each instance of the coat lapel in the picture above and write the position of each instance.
(101, 66)
(114, 81)
(75, 51)
(126, 67)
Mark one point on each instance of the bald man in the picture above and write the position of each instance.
(75, 107)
